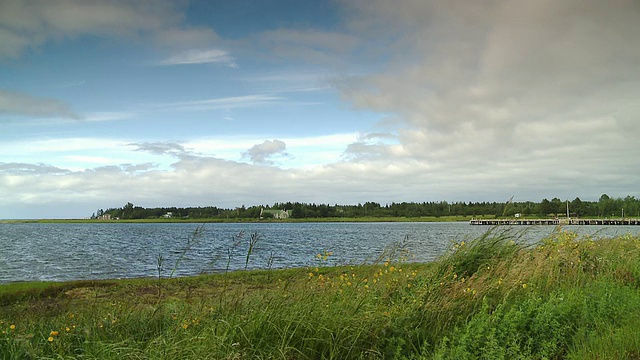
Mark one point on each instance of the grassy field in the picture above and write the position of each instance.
(567, 297)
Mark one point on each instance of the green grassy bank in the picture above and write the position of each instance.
(253, 220)
(567, 297)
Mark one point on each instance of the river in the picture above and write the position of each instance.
(64, 251)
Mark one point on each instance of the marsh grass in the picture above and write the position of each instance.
(492, 297)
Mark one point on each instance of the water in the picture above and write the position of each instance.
(60, 252)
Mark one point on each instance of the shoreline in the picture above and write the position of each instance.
(242, 221)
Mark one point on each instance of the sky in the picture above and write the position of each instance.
(252, 102)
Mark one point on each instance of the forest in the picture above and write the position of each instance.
(605, 207)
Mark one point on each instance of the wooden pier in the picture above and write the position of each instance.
(554, 222)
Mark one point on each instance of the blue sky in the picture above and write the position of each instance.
(229, 103)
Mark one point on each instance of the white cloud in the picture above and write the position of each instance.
(201, 56)
(14, 103)
(265, 152)
(28, 24)
(109, 116)
(232, 102)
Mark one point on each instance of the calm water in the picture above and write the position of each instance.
(60, 252)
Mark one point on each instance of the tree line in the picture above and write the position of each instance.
(605, 207)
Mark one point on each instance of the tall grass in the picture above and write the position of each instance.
(491, 297)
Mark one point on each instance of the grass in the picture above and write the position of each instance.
(254, 220)
(566, 297)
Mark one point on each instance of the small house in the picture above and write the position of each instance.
(276, 214)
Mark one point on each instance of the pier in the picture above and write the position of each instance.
(554, 222)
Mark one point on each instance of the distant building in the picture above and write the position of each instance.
(104, 217)
(168, 215)
(277, 214)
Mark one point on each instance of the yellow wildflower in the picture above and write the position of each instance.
(54, 333)
(524, 286)
(12, 327)
(185, 326)
(50, 339)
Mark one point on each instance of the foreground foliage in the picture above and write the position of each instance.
(489, 298)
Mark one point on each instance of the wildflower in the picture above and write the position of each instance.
(310, 275)
(524, 286)
(408, 285)
(54, 333)
(67, 329)
(455, 276)
(50, 339)
(12, 327)
(185, 326)
(500, 281)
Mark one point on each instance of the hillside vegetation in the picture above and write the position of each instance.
(566, 297)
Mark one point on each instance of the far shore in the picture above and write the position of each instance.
(248, 220)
